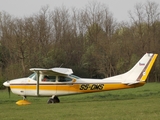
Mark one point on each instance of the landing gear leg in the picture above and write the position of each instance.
(24, 97)
(54, 99)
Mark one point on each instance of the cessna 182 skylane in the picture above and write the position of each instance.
(56, 82)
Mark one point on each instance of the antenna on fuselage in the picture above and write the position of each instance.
(60, 65)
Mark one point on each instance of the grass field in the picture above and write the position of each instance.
(141, 103)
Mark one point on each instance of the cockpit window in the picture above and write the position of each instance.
(33, 76)
(64, 79)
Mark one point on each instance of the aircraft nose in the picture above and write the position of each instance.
(6, 84)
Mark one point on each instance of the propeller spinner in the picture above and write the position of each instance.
(8, 86)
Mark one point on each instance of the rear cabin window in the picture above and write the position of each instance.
(64, 79)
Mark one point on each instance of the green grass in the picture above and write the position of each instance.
(141, 103)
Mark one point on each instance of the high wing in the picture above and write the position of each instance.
(63, 71)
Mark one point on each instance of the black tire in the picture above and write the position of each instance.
(56, 99)
(50, 101)
(53, 100)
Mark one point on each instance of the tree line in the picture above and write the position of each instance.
(88, 40)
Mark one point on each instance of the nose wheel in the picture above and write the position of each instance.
(23, 102)
(55, 99)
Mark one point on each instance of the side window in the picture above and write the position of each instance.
(52, 78)
(49, 78)
(64, 79)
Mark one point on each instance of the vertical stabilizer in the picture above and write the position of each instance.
(138, 73)
(141, 70)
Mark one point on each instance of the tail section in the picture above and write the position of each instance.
(138, 73)
(141, 70)
(144, 76)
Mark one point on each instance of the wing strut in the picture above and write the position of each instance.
(37, 83)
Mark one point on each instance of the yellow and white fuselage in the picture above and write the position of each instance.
(65, 88)
(60, 81)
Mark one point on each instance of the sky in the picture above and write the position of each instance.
(21, 8)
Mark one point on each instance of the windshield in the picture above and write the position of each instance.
(33, 76)
(74, 76)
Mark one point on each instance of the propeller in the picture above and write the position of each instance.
(9, 91)
(7, 84)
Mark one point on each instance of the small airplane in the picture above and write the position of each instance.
(56, 82)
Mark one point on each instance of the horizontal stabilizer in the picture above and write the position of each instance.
(131, 83)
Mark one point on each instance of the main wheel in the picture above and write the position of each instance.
(53, 100)
(50, 101)
(56, 99)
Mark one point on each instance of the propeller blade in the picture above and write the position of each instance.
(7, 84)
(9, 91)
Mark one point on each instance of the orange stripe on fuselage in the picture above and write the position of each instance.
(78, 87)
